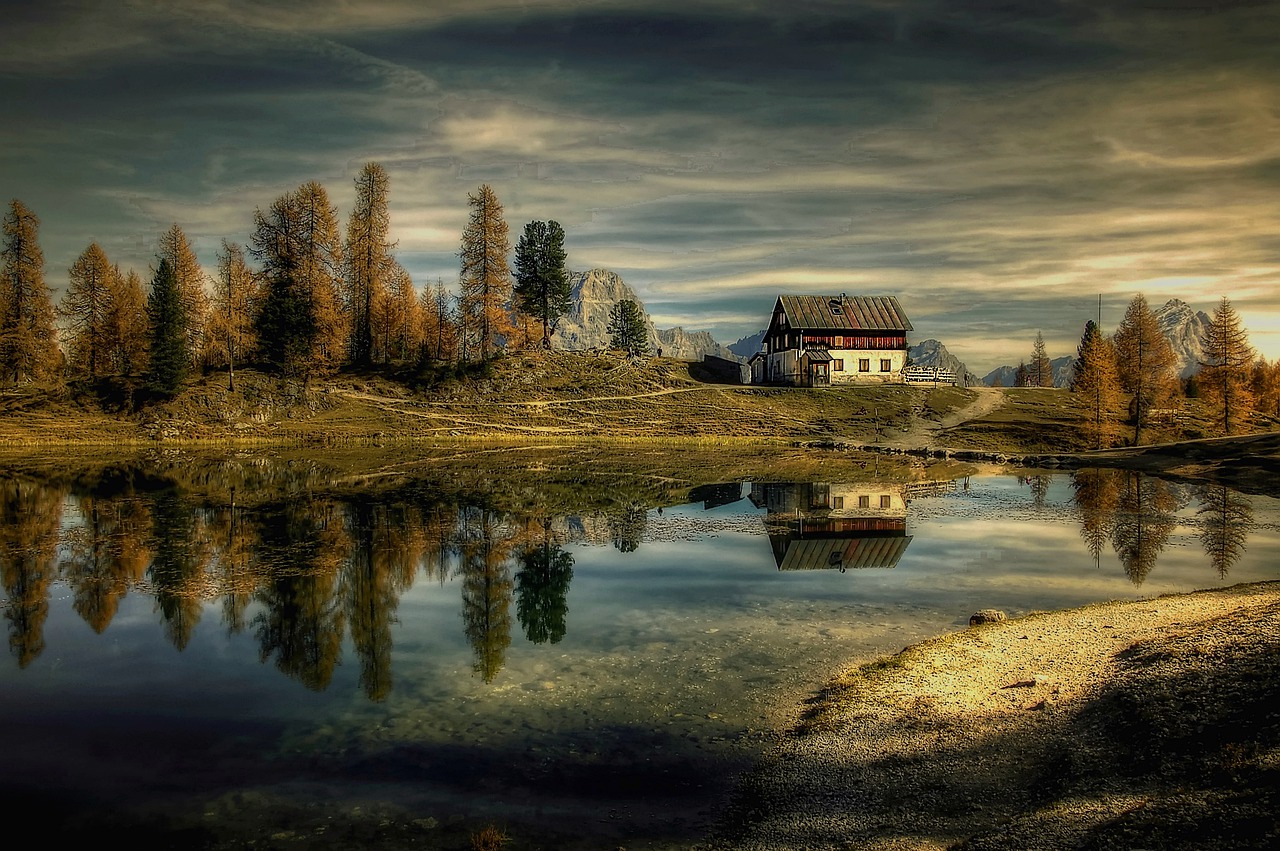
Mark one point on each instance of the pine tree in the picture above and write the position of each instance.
(1225, 373)
(485, 278)
(167, 352)
(368, 254)
(175, 248)
(542, 284)
(299, 322)
(84, 308)
(1097, 383)
(28, 337)
(627, 330)
(1040, 370)
(1146, 361)
(230, 335)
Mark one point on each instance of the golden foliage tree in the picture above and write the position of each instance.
(397, 320)
(1265, 384)
(28, 337)
(84, 309)
(1225, 373)
(1146, 362)
(439, 329)
(369, 263)
(176, 249)
(1097, 385)
(1039, 370)
(229, 334)
(126, 329)
(485, 309)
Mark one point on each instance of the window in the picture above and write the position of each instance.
(886, 365)
(864, 364)
(885, 501)
(837, 502)
(864, 502)
(837, 365)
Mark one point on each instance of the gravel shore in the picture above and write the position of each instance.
(1149, 724)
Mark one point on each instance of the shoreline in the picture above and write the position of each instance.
(1082, 727)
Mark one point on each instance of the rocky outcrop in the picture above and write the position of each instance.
(749, 345)
(586, 326)
(1184, 328)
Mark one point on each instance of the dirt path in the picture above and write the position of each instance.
(924, 432)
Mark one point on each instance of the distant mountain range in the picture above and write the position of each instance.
(1183, 327)
(933, 353)
(586, 326)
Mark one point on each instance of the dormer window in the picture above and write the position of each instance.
(834, 306)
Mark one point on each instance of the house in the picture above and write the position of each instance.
(818, 341)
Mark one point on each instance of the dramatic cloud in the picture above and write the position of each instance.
(997, 166)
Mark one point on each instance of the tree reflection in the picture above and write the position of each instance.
(30, 516)
(1144, 521)
(107, 555)
(1096, 493)
(485, 543)
(372, 581)
(302, 546)
(177, 571)
(627, 527)
(542, 588)
(1226, 519)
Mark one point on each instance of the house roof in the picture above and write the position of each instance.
(844, 313)
(818, 355)
(883, 551)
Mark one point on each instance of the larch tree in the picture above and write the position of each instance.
(175, 248)
(126, 330)
(1040, 370)
(299, 322)
(627, 330)
(1226, 371)
(1265, 384)
(28, 335)
(230, 333)
(84, 309)
(439, 329)
(485, 278)
(1020, 375)
(167, 354)
(1146, 363)
(541, 282)
(369, 264)
(398, 317)
(1097, 384)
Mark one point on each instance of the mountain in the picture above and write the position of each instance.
(1184, 328)
(749, 345)
(586, 326)
(1063, 369)
(933, 353)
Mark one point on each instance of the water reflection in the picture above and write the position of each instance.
(823, 526)
(303, 572)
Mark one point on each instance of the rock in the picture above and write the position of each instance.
(986, 616)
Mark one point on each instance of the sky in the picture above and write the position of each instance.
(995, 164)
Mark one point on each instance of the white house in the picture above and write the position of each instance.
(818, 341)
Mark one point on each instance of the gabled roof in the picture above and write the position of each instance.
(844, 313)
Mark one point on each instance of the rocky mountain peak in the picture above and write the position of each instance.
(1185, 329)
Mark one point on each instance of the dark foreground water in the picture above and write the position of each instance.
(189, 666)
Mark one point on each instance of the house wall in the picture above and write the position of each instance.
(784, 366)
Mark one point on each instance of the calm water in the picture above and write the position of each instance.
(326, 666)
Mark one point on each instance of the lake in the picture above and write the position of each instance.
(205, 652)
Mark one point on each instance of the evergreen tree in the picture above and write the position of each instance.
(1225, 373)
(1097, 383)
(84, 309)
(369, 265)
(28, 338)
(1040, 370)
(542, 284)
(485, 310)
(1020, 376)
(1146, 361)
(167, 351)
(299, 323)
(627, 330)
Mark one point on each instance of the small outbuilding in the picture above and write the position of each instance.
(819, 341)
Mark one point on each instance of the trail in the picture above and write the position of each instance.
(925, 432)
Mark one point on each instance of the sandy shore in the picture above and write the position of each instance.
(1150, 724)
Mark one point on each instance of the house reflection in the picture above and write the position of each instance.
(824, 526)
